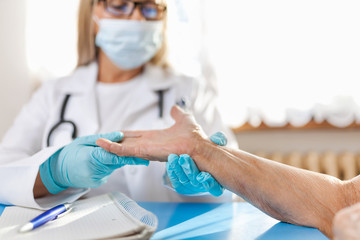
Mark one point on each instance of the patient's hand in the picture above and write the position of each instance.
(346, 223)
(182, 138)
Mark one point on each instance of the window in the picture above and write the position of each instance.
(280, 59)
(51, 37)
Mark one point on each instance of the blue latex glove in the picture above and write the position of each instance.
(186, 178)
(82, 164)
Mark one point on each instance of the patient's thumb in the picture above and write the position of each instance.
(177, 113)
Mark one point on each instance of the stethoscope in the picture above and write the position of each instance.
(160, 93)
(62, 121)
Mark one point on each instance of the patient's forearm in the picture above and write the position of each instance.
(289, 194)
(39, 188)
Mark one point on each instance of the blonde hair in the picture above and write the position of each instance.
(87, 51)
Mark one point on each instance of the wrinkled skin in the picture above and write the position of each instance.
(286, 193)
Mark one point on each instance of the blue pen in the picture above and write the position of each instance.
(45, 217)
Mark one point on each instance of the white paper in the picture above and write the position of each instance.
(100, 217)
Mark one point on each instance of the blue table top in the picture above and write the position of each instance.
(237, 220)
(1, 209)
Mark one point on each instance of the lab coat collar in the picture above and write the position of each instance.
(158, 78)
(84, 78)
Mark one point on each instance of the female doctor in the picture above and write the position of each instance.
(121, 82)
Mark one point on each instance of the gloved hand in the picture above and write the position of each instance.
(82, 164)
(186, 177)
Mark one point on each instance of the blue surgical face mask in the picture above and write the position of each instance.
(129, 43)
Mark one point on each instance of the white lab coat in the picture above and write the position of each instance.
(24, 149)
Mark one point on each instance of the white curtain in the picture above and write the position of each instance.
(51, 29)
(283, 61)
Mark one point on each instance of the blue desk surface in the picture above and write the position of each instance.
(221, 221)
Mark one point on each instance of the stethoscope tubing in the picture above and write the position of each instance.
(62, 121)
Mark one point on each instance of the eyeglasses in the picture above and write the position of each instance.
(125, 8)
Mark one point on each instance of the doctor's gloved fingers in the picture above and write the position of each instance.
(183, 188)
(133, 161)
(97, 181)
(170, 168)
(219, 138)
(173, 178)
(91, 139)
(92, 179)
(175, 182)
(113, 161)
(174, 165)
(171, 172)
(210, 184)
(189, 168)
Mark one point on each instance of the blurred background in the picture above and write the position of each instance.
(276, 66)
